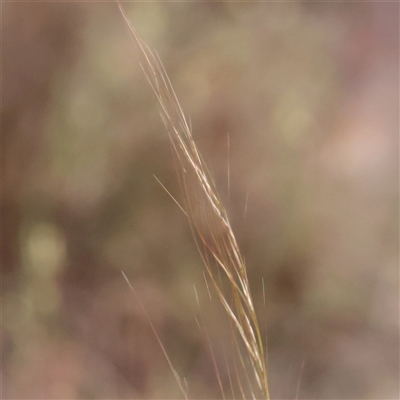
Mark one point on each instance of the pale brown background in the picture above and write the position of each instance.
(308, 94)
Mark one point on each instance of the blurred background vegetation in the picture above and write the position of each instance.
(307, 94)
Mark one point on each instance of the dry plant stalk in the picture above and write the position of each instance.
(209, 222)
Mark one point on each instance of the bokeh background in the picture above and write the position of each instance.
(307, 96)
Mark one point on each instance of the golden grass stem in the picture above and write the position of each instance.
(176, 375)
(209, 222)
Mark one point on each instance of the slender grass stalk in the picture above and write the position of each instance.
(176, 375)
(209, 222)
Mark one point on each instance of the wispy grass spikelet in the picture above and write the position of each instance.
(209, 222)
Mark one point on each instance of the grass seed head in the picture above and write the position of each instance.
(211, 228)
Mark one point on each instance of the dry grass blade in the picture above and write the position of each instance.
(176, 375)
(208, 219)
